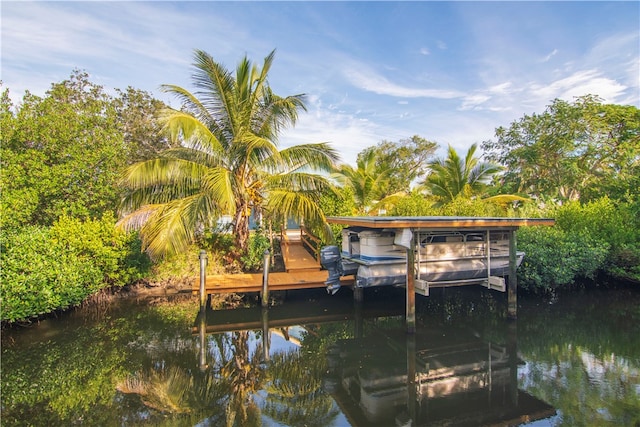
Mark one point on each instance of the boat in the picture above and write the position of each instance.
(378, 257)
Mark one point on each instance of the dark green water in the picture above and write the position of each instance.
(318, 360)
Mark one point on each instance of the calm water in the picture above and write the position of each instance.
(318, 360)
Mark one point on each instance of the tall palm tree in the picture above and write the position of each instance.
(228, 162)
(454, 176)
(367, 181)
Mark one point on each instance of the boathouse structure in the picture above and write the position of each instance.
(426, 252)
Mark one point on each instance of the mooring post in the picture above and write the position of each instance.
(358, 294)
(202, 331)
(203, 278)
(412, 380)
(411, 289)
(265, 279)
(266, 336)
(512, 287)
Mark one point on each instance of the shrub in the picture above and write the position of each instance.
(614, 223)
(253, 259)
(554, 257)
(47, 269)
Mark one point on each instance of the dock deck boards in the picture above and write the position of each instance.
(302, 272)
(296, 257)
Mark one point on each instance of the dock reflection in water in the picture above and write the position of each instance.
(438, 376)
(382, 376)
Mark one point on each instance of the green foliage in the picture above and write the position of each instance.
(227, 162)
(464, 206)
(453, 176)
(555, 258)
(335, 203)
(253, 259)
(573, 150)
(614, 223)
(405, 159)
(415, 204)
(368, 181)
(47, 269)
(63, 154)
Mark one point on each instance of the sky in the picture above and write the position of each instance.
(450, 72)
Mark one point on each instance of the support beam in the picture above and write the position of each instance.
(512, 288)
(358, 294)
(411, 289)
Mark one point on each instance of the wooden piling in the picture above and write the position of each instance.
(512, 287)
(265, 279)
(411, 289)
(203, 278)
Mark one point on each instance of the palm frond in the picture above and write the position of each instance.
(300, 206)
(173, 226)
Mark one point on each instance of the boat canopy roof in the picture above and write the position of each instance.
(438, 222)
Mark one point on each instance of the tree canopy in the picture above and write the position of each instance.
(404, 161)
(573, 150)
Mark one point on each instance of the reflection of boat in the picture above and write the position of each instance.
(377, 257)
(451, 378)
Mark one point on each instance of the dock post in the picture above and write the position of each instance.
(202, 332)
(265, 279)
(266, 337)
(411, 290)
(358, 294)
(512, 289)
(203, 278)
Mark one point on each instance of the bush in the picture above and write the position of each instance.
(47, 269)
(555, 258)
(253, 259)
(614, 223)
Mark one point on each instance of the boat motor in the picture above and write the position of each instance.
(331, 260)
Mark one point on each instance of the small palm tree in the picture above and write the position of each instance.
(367, 181)
(453, 176)
(228, 162)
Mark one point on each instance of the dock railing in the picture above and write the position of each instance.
(311, 242)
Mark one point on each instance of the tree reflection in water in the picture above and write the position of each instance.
(146, 364)
(294, 391)
(244, 375)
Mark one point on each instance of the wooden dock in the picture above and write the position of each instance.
(303, 271)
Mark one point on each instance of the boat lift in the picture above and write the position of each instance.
(411, 232)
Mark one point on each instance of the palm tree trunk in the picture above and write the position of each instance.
(241, 228)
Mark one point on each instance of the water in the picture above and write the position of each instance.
(318, 360)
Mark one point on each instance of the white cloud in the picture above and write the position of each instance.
(578, 84)
(366, 79)
(345, 132)
(551, 55)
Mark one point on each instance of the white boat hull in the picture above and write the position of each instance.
(379, 257)
(395, 273)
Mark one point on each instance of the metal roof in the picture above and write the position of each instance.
(438, 222)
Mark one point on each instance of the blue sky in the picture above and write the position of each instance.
(450, 72)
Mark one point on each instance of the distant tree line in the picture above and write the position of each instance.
(97, 188)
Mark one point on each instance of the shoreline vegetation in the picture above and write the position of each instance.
(116, 194)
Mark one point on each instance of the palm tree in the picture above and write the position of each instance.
(368, 182)
(228, 162)
(453, 176)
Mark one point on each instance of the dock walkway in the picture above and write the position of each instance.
(302, 272)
